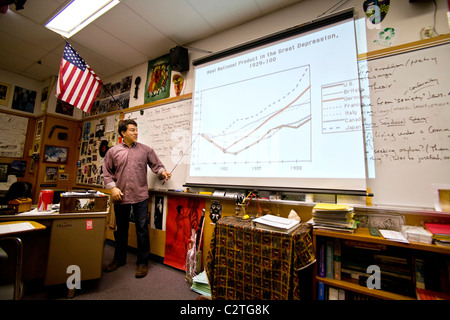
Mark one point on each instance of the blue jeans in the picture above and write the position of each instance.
(122, 213)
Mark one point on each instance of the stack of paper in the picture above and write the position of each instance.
(200, 284)
(417, 234)
(275, 223)
(393, 236)
(334, 217)
(15, 227)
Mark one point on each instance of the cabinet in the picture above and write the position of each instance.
(70, 239)
(403, 266)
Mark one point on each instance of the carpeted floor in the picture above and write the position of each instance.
(161, 283)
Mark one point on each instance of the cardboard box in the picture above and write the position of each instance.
(84, 203)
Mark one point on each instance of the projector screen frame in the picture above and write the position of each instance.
(286, 33)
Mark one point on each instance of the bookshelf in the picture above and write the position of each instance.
(362, 236)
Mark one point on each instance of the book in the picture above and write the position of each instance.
(322, 266)
(423, 294)
(337, 259)
(329, 259)
(440, 231)
(332, 207)
(200, 284)
(419, 273)
(333, 293)
(320, 291)
(327, 292)
(275, 223)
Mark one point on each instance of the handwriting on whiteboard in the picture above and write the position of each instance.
(406, 107)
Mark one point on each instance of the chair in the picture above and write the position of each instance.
(12, 291)
(17, 190)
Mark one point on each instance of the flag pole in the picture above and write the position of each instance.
(114, 99)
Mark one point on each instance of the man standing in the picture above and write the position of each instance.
(125, 174)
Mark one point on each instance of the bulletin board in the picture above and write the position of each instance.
(97, 136)
(13, 130)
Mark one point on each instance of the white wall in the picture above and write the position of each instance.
(17, 80)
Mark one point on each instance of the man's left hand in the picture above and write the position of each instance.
(166, 175)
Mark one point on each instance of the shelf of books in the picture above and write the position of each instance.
(360, 266)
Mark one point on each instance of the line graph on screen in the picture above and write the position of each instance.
(256, 120)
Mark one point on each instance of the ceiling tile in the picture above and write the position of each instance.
(106, 44)
(21, 48)
(268, 6)
(176, 19)
(12, 62)
(102, 65)
(39, 11)
(39, 72)
(52, 60)
(25, 29)
(224, 14)
(133, 30)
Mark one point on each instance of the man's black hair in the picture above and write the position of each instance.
(123, 125)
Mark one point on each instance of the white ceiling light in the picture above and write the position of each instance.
(78, 14)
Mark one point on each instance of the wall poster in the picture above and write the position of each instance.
(157, 86)
(183, 217)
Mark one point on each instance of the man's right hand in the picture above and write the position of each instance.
(116, 194)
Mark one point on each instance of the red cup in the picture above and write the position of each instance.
(45, 200)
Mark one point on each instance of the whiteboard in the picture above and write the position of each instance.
(406, 107)
(167, 130)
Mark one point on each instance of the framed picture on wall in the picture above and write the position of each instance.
(54, 154)
(441, 197)
(4, 168)
(23, 99)
(51, 174)
(18, 168)
(4, 93)
(39, 126)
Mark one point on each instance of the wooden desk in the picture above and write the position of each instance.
(73, 239)
(246, 263)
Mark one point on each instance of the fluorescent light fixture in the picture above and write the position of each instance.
(77, 14)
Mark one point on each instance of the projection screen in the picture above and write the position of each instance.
(281, 112)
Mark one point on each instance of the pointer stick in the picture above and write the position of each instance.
(181, 158)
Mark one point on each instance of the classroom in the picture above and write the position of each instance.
(286, 150)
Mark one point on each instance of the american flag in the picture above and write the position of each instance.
(77, 83)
